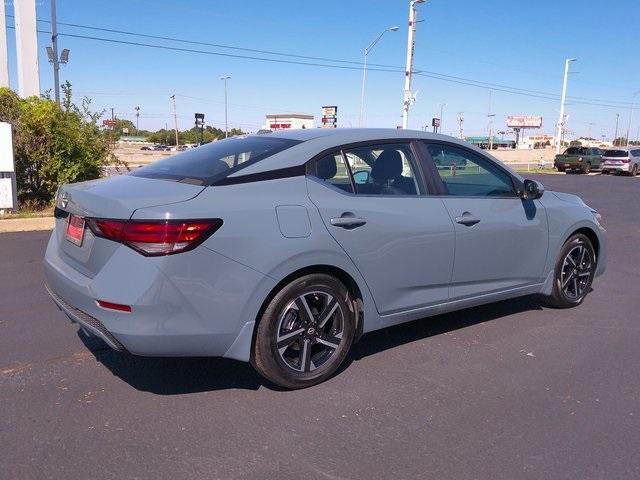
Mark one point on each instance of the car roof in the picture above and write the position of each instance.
(314, 141)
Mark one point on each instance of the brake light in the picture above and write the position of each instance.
(625, 160)
(155, 237)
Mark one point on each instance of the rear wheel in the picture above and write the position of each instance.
(305, 332)
(574, 272)
(587, 168)
(560, 169)
(634, 170)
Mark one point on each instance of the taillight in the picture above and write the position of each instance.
(625, 160)
(155, 237)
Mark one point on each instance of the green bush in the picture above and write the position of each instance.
(53, 144)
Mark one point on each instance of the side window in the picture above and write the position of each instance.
(387, 169)
(635, 153)
(333, 170)
(465, 173)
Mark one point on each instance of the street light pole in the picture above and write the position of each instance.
(408, 96)
(562, 99)
(631, 116)
(442, 105)
(226, 124)
(364, 70)
(615, 135)
(137, 119)
(54, 47)
(175, 118)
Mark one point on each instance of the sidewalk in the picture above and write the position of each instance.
(26, 224)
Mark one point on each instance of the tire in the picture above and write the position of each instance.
(634, 170)
(587, 168)
(560, 169)
(604, 172)
(312, 347)
(573, 264)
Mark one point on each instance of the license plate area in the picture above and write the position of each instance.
(75, 230)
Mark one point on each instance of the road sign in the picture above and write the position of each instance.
(435, 122)
(109, 123)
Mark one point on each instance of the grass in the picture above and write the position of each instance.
(29, 213)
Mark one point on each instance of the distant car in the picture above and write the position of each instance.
(621, 160)
(581, 159)
(146, 147)
(276, 249)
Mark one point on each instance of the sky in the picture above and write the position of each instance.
(509, 45)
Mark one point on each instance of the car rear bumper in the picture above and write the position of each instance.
(624, 167)
(192, 304)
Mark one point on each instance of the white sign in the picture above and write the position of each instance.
(524, 121)
(6, 193)
(6, 148)
(329, 111)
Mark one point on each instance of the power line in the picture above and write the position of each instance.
(381, 68)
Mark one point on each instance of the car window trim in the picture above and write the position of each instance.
(515, 183)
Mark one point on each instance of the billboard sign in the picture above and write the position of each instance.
(435, 122)
(329, 111)
(109, 123)
(6, 148)
(524, 121)
(330, 116)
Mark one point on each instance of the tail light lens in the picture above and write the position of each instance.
(625, 160)
(155, 237)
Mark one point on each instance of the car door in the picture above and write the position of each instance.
(501, 239)
(401, 240)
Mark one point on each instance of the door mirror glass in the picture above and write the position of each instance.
(532, 190)
(361, 177)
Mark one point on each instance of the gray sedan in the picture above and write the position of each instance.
(282, 249)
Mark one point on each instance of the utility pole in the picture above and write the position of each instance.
(54, 47)
(631, 115)
(408, 95)
(460, 122)
(364, 70)
(137, 119)
(562, 99)
(175, 118)
(490, 117)
(226, 124)
(442, 105)
(4, 58)
(615, 135)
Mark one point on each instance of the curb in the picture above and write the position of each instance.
(26, 224)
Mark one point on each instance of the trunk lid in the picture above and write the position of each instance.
(115, 198)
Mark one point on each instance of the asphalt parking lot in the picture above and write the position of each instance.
(506, 391)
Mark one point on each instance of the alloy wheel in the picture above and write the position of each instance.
(577, 270)
(310, 330)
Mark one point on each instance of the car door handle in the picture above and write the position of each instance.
(348, 222)
(467, 219)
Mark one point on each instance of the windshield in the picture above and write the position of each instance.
(211, 162)
(616, 153)
(576, 151)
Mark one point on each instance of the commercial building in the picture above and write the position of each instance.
(279, 121)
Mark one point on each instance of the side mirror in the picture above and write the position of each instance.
(532, 190)
(361, 177)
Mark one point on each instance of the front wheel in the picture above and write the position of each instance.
(574, 272)
(586, 169)
(560, 169)
(305, 333)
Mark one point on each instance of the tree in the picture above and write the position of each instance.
(53, 144)
(575, 143)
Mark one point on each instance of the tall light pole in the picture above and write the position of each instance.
(226, 124)
(615, 135)
(562, 99)
(137, 109)
(52, 53)
(175, 118)
(442, 105)
(408, 96)
(364, 70)
(633, 99)
(460, 119)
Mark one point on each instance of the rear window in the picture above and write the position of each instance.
(576, 151)
(211, 162)
(616, 153)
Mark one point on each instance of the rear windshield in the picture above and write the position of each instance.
(616, 153)
(211, 162)
(576, 151)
